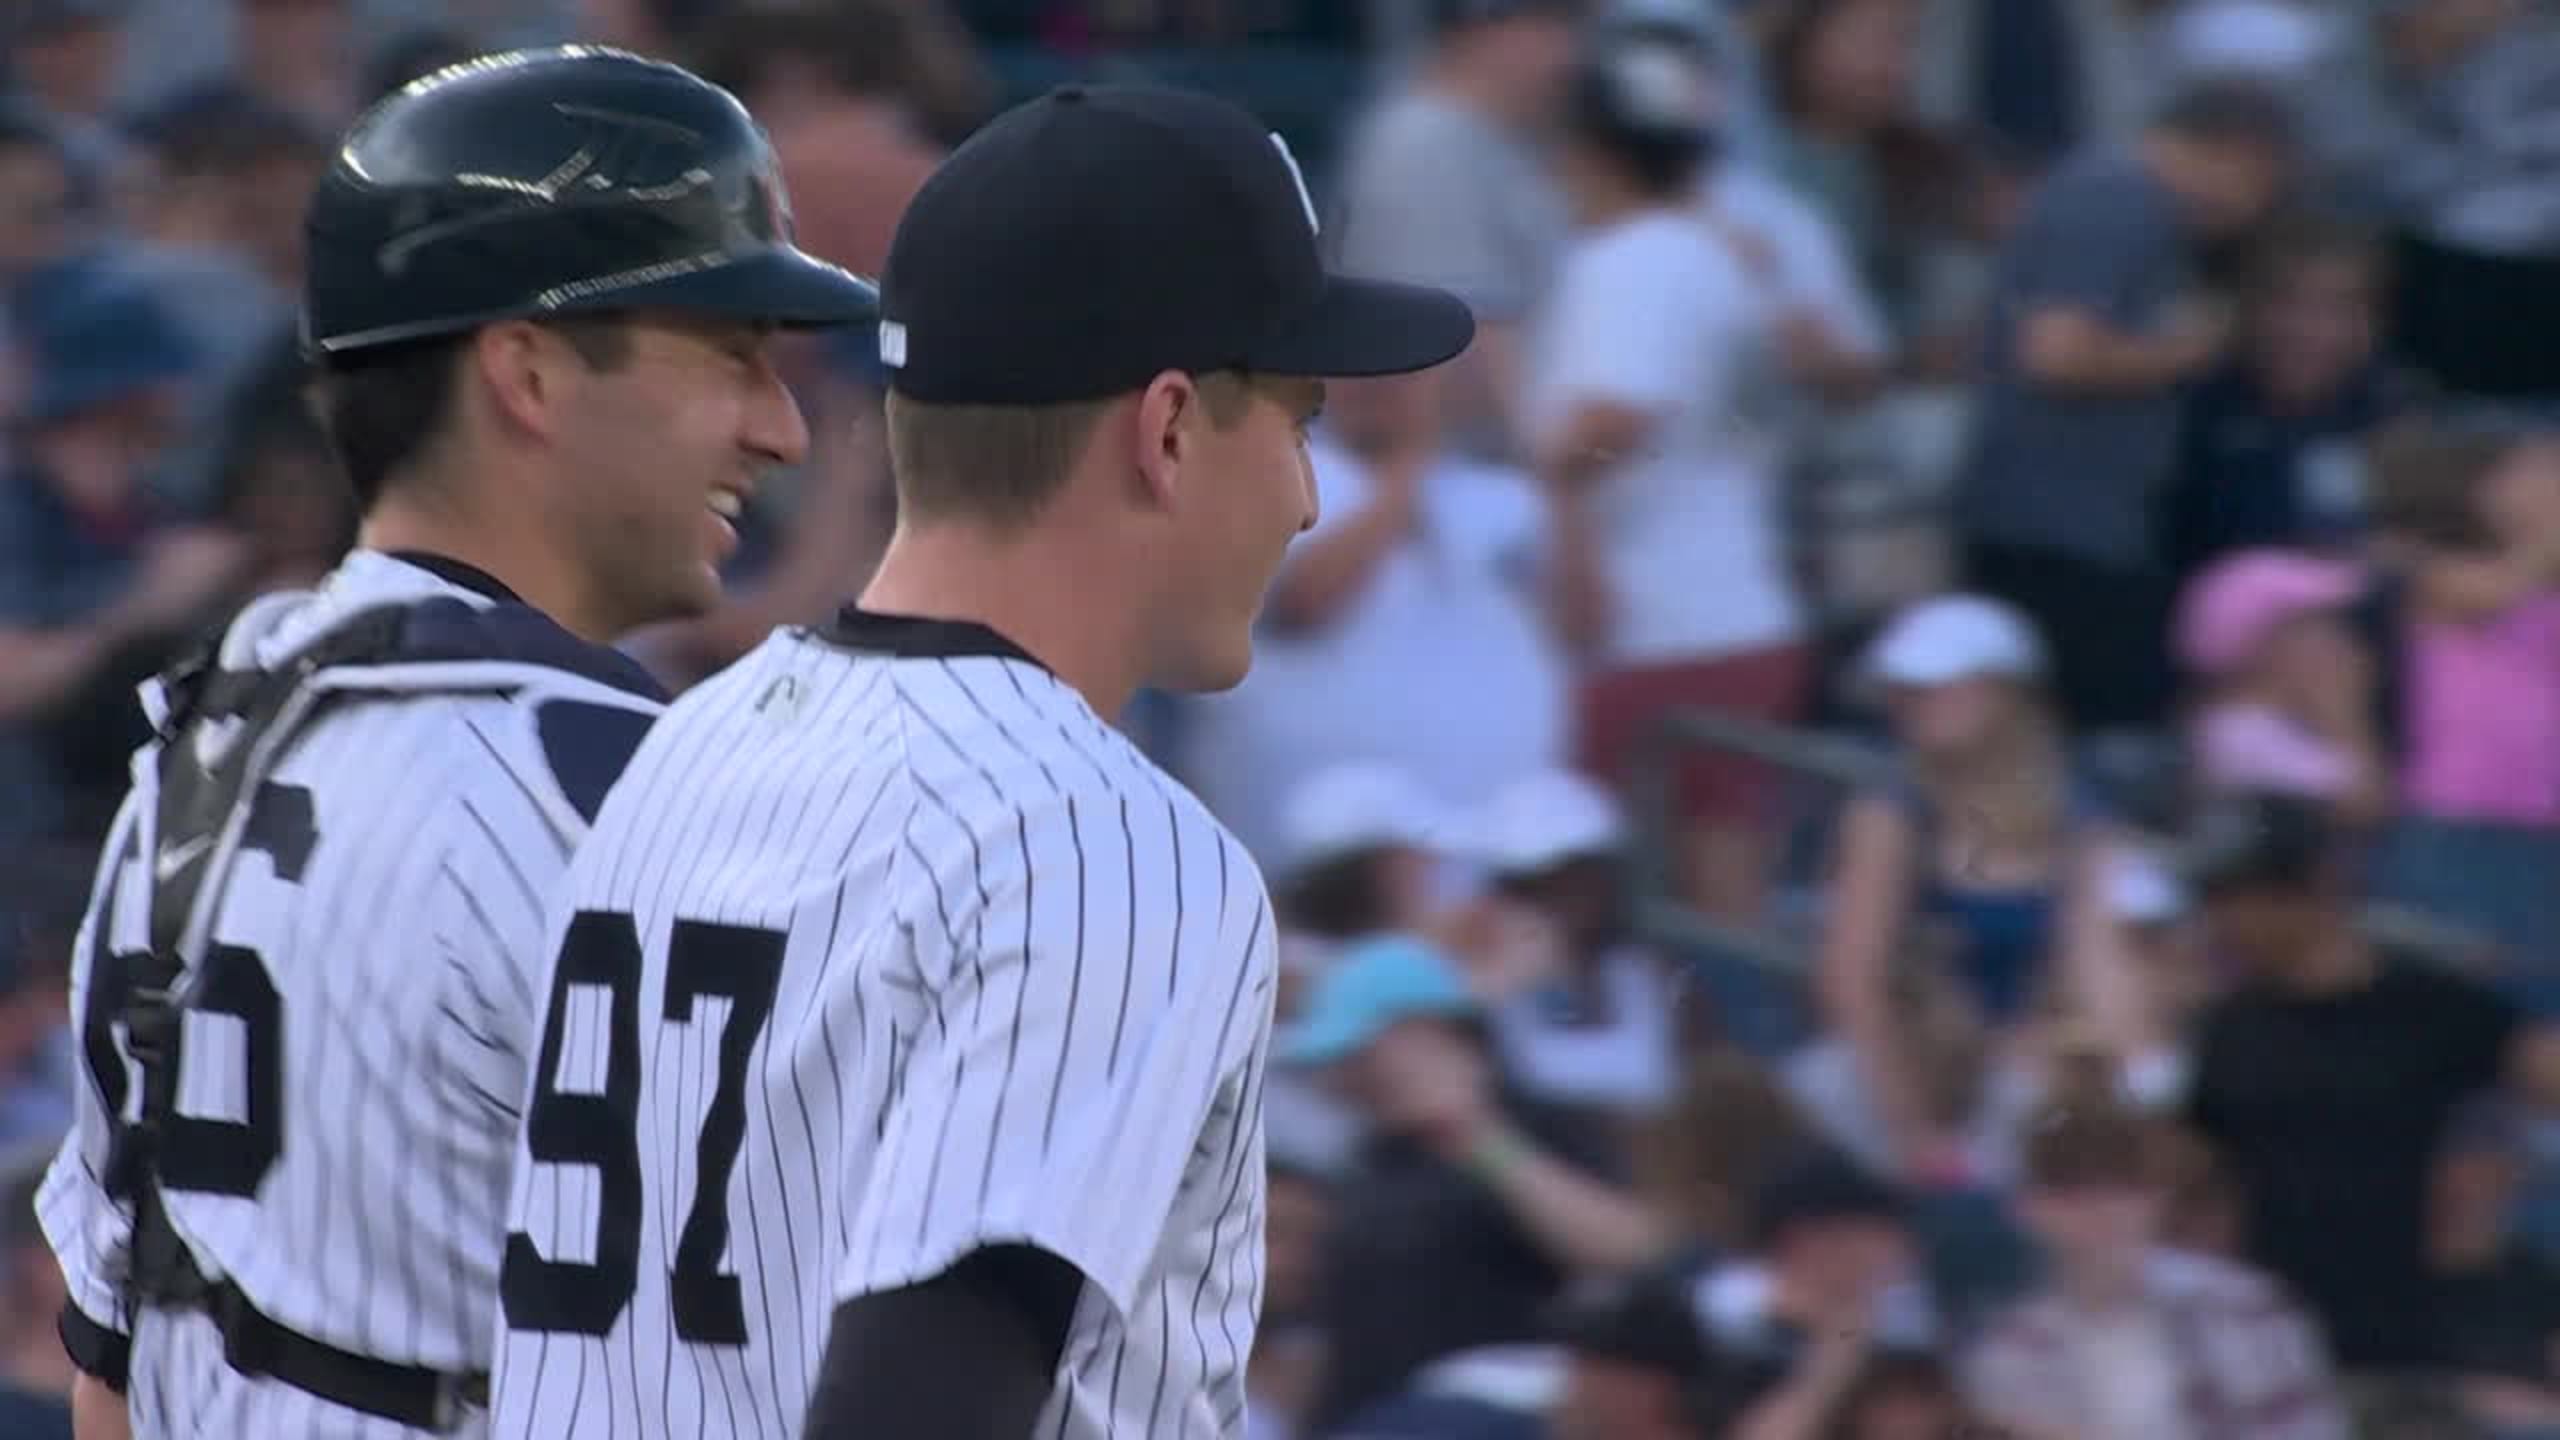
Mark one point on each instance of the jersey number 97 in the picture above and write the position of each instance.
(601, 950)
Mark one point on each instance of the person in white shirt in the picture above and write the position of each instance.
(1650, 402)
(1414, 599)
(1441, 182)
(1598, 1023)
(1828, 335)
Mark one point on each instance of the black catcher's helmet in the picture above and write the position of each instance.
(550, 182)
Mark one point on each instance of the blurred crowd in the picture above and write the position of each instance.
(1922, 800)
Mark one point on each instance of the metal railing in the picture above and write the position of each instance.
(1834, 762)
(1842, 766)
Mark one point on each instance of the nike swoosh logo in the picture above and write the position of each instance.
(179, 857)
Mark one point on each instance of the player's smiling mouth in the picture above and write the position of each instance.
(727, 504)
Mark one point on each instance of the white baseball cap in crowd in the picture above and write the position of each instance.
(1954, 637)
(1544, 819)
(1353, 806)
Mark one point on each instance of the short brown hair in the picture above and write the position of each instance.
(2426, 482)
(1000, 465)
(1727, 1129)
(2091, 1142)
(2297, 240)
(383, 408)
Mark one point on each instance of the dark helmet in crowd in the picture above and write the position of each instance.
(554, 182)
(1650, 92)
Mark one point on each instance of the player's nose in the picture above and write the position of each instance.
(775, 426)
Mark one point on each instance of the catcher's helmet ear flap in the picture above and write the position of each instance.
(546, 182)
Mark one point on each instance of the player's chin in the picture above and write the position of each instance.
(690, 591)
(1219, 664)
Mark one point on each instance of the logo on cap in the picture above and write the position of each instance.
(1306, 201)
(893, 344)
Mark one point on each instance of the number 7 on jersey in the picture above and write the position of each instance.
(598, 1130)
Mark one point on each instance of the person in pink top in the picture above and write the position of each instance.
(2287, 686)
(2474, 682)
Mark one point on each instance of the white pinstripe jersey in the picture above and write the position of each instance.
(341, 1153)
(887, 948)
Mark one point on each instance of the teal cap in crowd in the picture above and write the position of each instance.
(1370, 986)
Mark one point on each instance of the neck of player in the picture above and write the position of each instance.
(516, 554)
(1057, 607)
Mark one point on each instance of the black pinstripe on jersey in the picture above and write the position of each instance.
(404, 847)
(1024, 990)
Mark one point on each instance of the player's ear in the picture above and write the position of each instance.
(515, 367)
(1169, 412)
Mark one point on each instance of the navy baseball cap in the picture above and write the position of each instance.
(1083, 242)
(2250, 840)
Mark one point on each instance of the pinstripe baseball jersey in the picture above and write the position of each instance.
(358, 1026)
(886, 948)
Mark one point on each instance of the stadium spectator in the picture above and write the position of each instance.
(2097, 323)
(1992, 843)
(36, 204)
(2466, 635)
(2039, 78)
(1649, 407)
(1442, 183)
(1830, 1257)
(1839, 83)
(2129, 1339)
(2455, 138)
(1359, 849)
(1964, 1088)
(35, 1372)
(1419, 578)
(1710, 1151)
(2287, 701)
(303, 57)
(1729, 33)
(1585, 1013)
(1638, 1368)
(837, 88)
(214, 226)
(1470, 1208)
(2270, 449)
(1830, 335)
(39, 1063)
(276, 484)
(2328, 1077)
(2495, 1304)
(63, 56)
(1890, 1394)
(97, 581)
(1289, 1348)
(413, 54)
(2282, 42)
(2162, 934)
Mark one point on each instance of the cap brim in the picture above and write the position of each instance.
(1370, 327)
(1330, 1036)
(1325, 1040)
(784, 286)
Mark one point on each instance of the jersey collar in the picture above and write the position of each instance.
(918, 637)
(456, 572)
